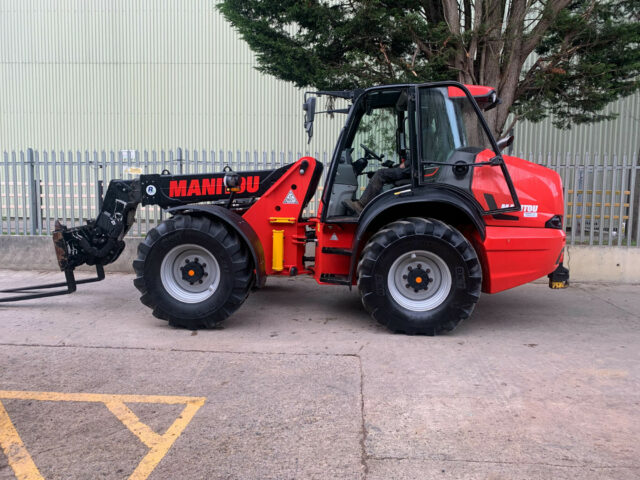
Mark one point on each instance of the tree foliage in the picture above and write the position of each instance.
(568, 58)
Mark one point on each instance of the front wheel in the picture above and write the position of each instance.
(419, 276)
(192, 271)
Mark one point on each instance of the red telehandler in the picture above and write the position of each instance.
(451, 217)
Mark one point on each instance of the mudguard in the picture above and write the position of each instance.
(402, 199)
(241, 226)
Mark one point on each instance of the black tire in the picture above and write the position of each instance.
(215, 241)
(393, 247)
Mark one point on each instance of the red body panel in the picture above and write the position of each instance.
(333, 236)
(518, 248)
(274, 211)
(539, 190)
(281, 204)
(513, 256)
(475, 90)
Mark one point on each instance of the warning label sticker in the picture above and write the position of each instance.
(290, 199)
(334, 237)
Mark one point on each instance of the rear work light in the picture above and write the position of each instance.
(554, 222)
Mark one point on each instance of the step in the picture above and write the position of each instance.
(335, 279)
(336, 251)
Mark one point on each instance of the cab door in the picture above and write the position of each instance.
(456, 148)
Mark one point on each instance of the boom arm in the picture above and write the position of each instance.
(101, 241)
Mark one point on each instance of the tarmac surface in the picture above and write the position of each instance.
(301, 384)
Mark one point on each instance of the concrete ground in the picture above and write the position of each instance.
(302, 384)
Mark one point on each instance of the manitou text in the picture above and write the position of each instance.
(209, 186)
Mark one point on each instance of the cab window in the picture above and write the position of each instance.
(378, 140)
(449, 123)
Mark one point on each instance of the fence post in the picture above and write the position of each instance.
(635, 195)
(34, 208)
(179, 154)
(100, 195)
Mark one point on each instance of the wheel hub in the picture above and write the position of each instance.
(417, 278)
(190, 273)
(193, 271)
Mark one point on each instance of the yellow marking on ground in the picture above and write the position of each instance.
(151, 459)
(96, 397)
(14, 449)
(607, 372)
(159, 445)
(133, 423)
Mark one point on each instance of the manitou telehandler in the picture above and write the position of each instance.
(457, 218)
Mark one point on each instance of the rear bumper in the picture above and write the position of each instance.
(513, 256)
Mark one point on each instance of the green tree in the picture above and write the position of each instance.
(568, 58)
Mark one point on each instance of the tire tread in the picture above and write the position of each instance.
(417, 226)
(242, 266)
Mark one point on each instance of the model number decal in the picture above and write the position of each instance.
(529, 211)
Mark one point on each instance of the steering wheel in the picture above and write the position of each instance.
(370, 153)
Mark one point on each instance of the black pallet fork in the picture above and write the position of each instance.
(30, 293)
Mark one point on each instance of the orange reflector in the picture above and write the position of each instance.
(192, 273)
(418, 279)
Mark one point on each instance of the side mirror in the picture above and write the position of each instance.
(309, 107)
(505, 142)
(487, 102)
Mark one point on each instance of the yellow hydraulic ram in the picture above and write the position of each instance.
(278, 250)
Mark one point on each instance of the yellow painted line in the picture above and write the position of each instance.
(133, 423)
(95, 397)
(159, 445)
(14, 449)
(151, 459)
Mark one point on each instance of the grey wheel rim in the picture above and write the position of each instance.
(419, 280)
(206, 268)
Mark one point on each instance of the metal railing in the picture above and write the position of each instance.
(600, 197)
(36, 188)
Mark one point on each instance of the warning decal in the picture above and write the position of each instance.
(290, 199)
(334, 237)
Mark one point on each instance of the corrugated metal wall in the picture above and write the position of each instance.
(136, 74)
(128, 74)
(615, 137)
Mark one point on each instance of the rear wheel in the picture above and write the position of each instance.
(192, 271)
(419, 276)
